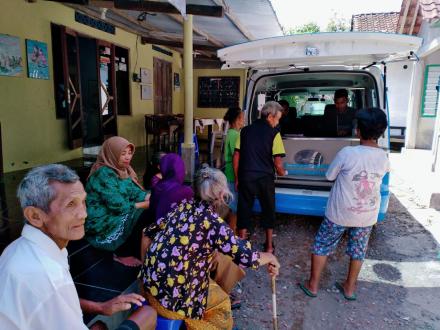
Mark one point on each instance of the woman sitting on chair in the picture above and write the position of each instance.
(170, 189)
(116, 203)
(179, 251)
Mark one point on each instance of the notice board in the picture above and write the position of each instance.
(218, 92)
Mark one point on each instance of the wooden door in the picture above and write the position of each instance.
(163, 83)
(106, 83)
(72, 87)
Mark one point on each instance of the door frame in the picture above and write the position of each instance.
(112, 99)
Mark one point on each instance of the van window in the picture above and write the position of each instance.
(310, 93)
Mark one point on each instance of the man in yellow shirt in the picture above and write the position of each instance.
(258, 154)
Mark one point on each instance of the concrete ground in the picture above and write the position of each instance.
(399, 285)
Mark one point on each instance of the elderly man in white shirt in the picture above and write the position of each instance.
(36, 288)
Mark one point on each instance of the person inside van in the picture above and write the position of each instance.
(339, 118)
(288, 118)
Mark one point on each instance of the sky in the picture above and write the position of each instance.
(293, 13)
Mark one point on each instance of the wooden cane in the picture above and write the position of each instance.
(274, 304)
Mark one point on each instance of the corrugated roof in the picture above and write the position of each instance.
(244, 20)
(375, 22)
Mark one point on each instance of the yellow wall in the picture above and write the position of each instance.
(31, 134)
(217, 112)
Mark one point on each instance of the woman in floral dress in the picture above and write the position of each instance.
(181, 246)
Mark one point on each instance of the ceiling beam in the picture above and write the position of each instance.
(165, 7)
(155, 32)
(142, 24)
(152, 6)
(177, 44)
(234, 19)
(73, 2)
(199, 31)
(94, 14)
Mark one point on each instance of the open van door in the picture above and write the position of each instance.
(355, 49)
(319, 51)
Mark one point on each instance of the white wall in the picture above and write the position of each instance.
(421, 136)
(425, 125)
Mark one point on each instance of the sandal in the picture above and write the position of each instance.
(307, 291)
(235, 301)
(341, 289)
(235, 304)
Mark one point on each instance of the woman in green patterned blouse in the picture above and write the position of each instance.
(116, 203)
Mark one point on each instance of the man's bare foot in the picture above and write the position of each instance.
(127, 261)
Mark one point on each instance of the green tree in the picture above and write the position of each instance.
(310, 27)
(338, 24)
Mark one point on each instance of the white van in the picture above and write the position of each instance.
(306, 70)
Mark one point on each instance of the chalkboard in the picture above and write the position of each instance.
(218, 92)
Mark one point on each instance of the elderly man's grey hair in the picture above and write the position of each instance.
(36, 190)
(212, 187)
(270, 108)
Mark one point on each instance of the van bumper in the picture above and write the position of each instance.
(312, 202)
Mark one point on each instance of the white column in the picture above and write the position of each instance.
(188, 145)
(415, 99)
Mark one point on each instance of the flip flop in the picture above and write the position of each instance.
(340, 287)
(307, 291)
(236, 304)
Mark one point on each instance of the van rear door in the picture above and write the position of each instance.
(353, 49)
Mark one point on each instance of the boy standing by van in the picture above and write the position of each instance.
(354, 202)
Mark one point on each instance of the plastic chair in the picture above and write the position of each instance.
(166, 324)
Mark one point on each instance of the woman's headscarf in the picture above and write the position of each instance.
(170, 189)
(109, 154)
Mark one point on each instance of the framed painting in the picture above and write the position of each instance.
(146, 92)
(37, 59)
(11, 60)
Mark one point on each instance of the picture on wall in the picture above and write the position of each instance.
(11, 61)
(146, 76)
(146, 92)
(36, 52)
